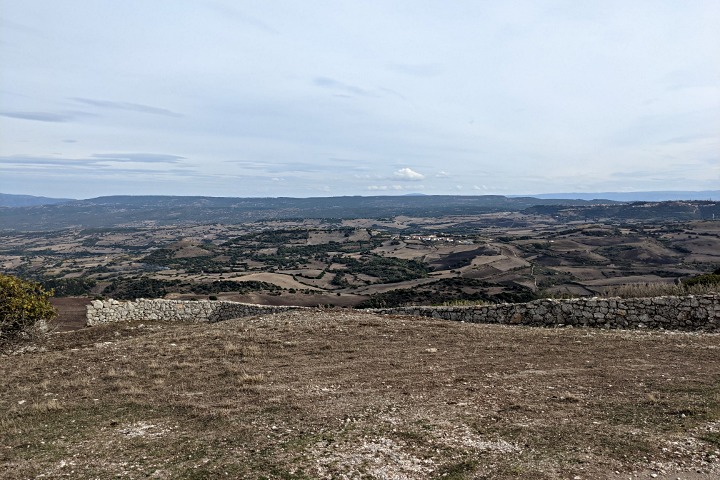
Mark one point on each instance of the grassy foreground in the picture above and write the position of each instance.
(340, 394)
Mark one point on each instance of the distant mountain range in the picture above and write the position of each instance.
(8, 200)
(114, 211)
(164, 210)
(659, 196)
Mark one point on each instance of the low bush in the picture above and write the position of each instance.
(708, 279)
(24, 310)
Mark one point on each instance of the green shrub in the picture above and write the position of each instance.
(143, 287)
(708, 279)
(24, 310)
(68, 287)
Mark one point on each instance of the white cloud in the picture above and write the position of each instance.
(396, 187)
(365, 176)
(408, 174)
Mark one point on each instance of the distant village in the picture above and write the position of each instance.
(435, 238)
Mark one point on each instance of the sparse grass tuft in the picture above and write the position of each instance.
(246, 379)
(463, 303)
(251, 351)
(712, 438)
(458, 470)
(46, 405)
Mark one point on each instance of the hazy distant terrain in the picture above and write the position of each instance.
(116, 211)
(659, 196)
(7, 200)
(166, 210)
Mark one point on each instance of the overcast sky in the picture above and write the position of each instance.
(318, 98)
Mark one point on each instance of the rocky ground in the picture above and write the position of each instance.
(344, 394)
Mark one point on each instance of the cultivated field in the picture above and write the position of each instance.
(342, 394)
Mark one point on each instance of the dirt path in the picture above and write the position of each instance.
(71, 313)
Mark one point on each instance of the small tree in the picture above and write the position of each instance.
(24, 309)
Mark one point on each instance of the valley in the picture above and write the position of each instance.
(509, 256)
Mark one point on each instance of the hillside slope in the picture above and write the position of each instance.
(339, 394)
(10, 200)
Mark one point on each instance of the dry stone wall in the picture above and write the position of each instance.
(669, 313)
(105, 311)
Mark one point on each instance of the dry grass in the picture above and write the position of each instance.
(636, 290)
(339, 394)
(463, 303)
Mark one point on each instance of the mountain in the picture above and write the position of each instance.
(9, 200)
(658, 196)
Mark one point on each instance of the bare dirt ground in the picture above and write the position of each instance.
(71, 311)
(296, 299)
(343, 394)
(287, 299)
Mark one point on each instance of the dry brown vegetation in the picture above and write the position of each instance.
(635, 290)
(339, 394)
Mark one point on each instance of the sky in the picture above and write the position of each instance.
(302, 99)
